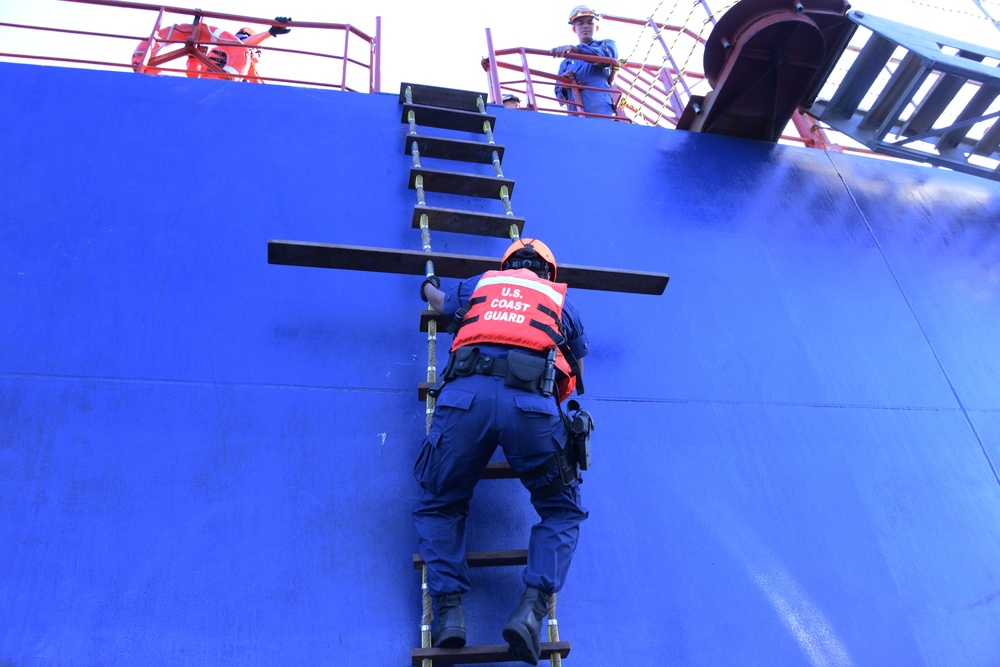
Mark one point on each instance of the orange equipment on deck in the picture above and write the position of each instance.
(211, 52)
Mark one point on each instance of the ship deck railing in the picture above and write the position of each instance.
(327, 55)
(652, 88)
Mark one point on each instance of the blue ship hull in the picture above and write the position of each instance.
(206, 459)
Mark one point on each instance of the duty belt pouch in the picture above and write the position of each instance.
(464, 359)
(524, 371)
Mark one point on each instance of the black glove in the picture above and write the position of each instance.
(275, 30)
(433, 280)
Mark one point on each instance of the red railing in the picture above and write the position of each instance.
(534, 82)
(644, 93)
(355, 55)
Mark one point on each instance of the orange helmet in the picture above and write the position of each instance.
(582, 10)
(245, 32)
(535, 246)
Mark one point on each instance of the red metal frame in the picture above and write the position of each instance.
(351, 35)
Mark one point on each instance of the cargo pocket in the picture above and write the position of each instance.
(423, 469)
(454, 398)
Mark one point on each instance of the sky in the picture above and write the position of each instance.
(437, 42)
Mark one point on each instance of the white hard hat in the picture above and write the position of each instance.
(582, 10)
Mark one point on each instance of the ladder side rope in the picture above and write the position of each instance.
(555, 658)
(504, 193)
(426, 616)
(427, 613)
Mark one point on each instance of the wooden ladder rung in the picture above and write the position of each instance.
(467, 222)
(448, 119)
(436, 96)
(442, 320)
(478, 655)
(453, 149)
(447, 265)
(486, 558)
(459, 183)
(498, 470)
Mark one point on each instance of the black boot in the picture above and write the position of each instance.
(450, 629)
(523, 629)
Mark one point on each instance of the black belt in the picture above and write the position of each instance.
(489, 365)
(520, 370)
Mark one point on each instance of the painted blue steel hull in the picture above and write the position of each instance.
(205, 459)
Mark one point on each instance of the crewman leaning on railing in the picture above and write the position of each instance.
(586, 74)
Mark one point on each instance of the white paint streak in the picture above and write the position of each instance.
(806, 622)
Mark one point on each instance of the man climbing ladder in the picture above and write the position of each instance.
(516, 354)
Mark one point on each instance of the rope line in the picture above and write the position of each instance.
(643, 29)
(652, 21)
(951, 10)
(427, 609)
(555, 658)
(504, 193)
(426, 617)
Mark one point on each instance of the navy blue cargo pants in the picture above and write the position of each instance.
(473, 415)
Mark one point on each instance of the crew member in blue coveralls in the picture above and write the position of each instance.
(497, 389)
(594, 75)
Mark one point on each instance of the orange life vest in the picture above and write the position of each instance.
(252, 75)
(223, 48)
(518, 308)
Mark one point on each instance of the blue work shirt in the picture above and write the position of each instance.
(458, 295)
(591, 74)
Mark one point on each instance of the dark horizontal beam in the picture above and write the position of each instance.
(460, 183)
(435, 96)
(467, 222)
(485, 558)
(448, 119)
(459, 150)
(442, 321)
(447, 265)
(481, 655)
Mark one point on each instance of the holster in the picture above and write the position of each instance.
(572, 458)
(579, 426)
